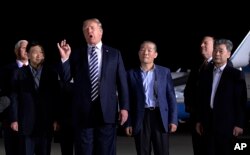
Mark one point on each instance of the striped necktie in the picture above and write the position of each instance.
(93, 73)
(36, 77)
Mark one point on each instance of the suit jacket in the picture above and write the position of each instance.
(34, 109)
(165, 98)
(5, 78)
(191, 89)
(112, 81)
(229, 101)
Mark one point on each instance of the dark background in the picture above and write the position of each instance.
(177, 30)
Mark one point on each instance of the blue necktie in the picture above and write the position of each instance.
(93, 73)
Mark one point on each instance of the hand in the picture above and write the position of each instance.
(199, 128)
(123, 116)
(56, 126)
(14, 126)
(64, 49)
(237, 131)
(172, 128)
(128, 131)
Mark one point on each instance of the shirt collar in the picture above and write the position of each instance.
(20, 63)
(98, 46)
(221, 68)
(148, 70)
(209, 59)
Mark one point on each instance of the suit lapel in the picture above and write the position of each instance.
(138, 79)
(83, 63)
(105, 60)
(137, 75)
(209, 78)
(84, 56)
(44, 77)
(29, 76)
(221, 83)
(158, 76)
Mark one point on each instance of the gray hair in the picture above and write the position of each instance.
(18, 44)
(228, 43)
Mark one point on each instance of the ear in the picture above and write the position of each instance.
(228, 55)
(156, 54)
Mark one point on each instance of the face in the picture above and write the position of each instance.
(36, 55)
(147, 53)
(21, 52)
(220, 55)
(92, 32)
(207, 47)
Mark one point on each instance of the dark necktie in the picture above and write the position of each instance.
(93, 73)
(36, 78)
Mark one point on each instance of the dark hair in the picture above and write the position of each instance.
(151, 42)
(32, 44)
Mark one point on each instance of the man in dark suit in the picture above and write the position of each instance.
(95, 103)
(153, 106)
(33, 102)
(190, 91)
(11, 137)
(222, 100)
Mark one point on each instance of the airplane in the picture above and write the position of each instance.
(240, 59)
(179, 80)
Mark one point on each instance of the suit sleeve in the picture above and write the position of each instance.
(172, 103)
(14, 97)
(241, 97)
(122, 84)
(64, 71)
(190, 92)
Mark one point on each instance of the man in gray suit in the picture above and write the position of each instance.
(95, 103)
(153, 106)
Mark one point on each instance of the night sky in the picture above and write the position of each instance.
(177, 33)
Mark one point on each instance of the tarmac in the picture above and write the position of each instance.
(180, 144)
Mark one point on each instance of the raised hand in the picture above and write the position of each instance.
(64, 49)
